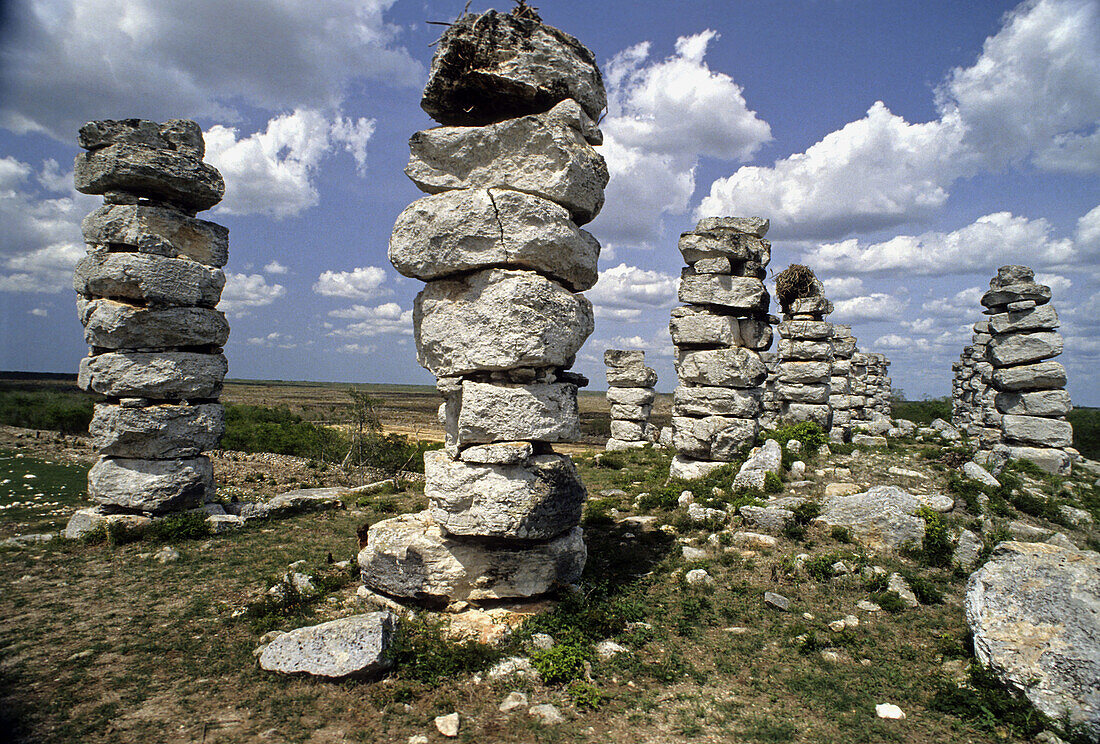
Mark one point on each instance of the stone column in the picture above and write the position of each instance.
(805, 349)
(771, 404)
(146, 295)
(717, 337)
(840, 387)
(630, 394)
(880, 376)
(512, 174)
(1029, 386)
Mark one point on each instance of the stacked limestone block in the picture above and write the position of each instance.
(1029, 386)
(718, 336)
(841, 399)
(879, 384)
(805, 359)
(147, 294)
(512, 173)
(630, 395)
(973, 397)
(770, 416)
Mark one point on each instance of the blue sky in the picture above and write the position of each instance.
(903, 150)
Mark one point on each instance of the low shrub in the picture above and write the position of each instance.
(563, 662)
(422, 652)
(178, 527)
(772, 483)
(936, 548)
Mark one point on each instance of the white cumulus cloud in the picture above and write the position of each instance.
(663, 115)
(381, 319)
(246, 291)
(68, 61)
(626, 292)
(272, 172)
(275, 268)
(875, 306)
(362, 283)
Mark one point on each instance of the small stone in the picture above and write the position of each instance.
(697, 576)
(447, 725)
(606, 649)
(514, 701)
(867, 606)
(889, 710)
(693, 554)
(974, 471)
(837, 626)
(547, 714)
(897, 584)
(513, 666)
(777, 600)
(167, 554)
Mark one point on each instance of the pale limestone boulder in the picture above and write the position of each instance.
(817, 413)
(497, 66)
(687, 468)
(808, 351)
(87, 520)
(498, 319)
(157, 431)
(118, 325)
(616, 445)
(1041, 318)
(497, 453)
(174, 134)
(410, 556)
(1034, 611)
(803, 372)
(1000, 296)
(703, 246)
(631, 377)
(808, 330)
(624, 358)
(717, 401)
(968, 548)
(629, 412)
(542, 412)
(696, 326)
(1044, 432)
(150, 279)
(544, 154)
(757, 226)
(154, 486)
(473, 229)
(173, 375)
(768, 519)
(356, 646)
(631, 396)
(735, 368)
(712, 437)
(741, 293)
(537, 499)
(799, 393)
(1038, 403)
(631, 431)
(157, 231)
(976, 472)
(175, 176)
(1024, 348)
(1040, 376)
(881, 518)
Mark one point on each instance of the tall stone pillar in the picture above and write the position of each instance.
(717, 336)
(840, 387)
(805, 348)
(147, 291)
(1030, 395)
(630, 394)
(512, 174)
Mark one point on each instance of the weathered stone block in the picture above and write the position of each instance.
(546, 155)
(717, 401)
(712, 437)
(161, 376)
(498, 319)
(631, 431)
(1045, 432)
(356, 646)
(631, 396)
(497, 66)
(804, 372)
(410, 556)
(704, 246)
(1041, 376)
(116, 325)
(806, 330)
(172, 175)
(1039, 403)
(800, 393)
(155, 486)
(1042, 318)
(631, 377)
(1009, 293)
(157, 431)
(630, 412)
(152, 279)
(497, 453)
(534, 500)
(473, 229)
(174, 134)
(790, 350)
(539, 412)
(819, 414)
(736, 368)
(746, 294)
(157, 231)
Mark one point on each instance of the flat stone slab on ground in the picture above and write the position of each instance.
(357, 646)
(1034, 610)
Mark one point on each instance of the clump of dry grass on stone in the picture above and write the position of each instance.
(794, 282)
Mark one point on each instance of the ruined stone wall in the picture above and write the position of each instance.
(841, 399)
(805, 360)
(147, 291)
(630, 397)
(512, 174)
(717, 336)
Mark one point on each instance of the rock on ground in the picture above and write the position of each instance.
(880, 518)
(354, 646)
(1034, 610)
